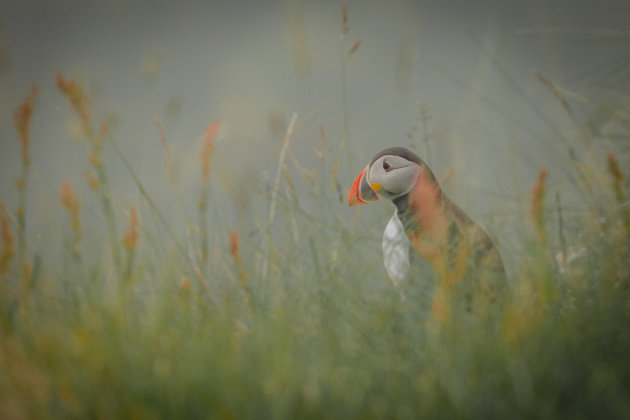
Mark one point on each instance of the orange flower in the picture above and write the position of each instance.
(208, 148)
(78, 99)
(130, 237)
(22, 119)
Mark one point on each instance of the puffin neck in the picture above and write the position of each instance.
(404, 212)
(401, 203)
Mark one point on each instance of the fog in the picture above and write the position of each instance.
(492, 122)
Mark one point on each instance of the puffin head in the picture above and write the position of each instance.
(392, 173)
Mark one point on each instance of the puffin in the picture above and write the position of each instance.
(429, 229)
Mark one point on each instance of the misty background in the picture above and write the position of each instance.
(462, 72)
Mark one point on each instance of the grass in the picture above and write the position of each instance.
(292, 322)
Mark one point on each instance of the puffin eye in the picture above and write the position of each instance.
(386, 166)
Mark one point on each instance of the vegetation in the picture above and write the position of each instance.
(292, 322)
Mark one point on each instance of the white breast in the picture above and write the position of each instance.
(396, 250)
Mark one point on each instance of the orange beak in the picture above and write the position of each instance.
(361, 191)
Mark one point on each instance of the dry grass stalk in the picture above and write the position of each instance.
(235, 253)
(291, 194)
(184, 284)
(276, 185)
(101, 135)
(537, 208)
(71, 202)
(276, 182)
(205, 155)
(130, 241)
(22, 119)
(81, 104)
(130, 236)
(554, 89)
(6, 253)
(335, 181)
(323, 136)
(617, 175)
(93, 181)
(207, 149)
(79, 100)
(160, 127)
(354, 49)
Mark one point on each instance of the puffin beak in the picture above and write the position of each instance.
(361, 191)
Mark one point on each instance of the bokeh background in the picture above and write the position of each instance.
(458, 81)
(256, 292)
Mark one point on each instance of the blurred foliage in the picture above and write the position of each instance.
(149, 330)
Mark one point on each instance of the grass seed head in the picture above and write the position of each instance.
(66, 195)
(22, 119)
(184, 284)
(160, 128)
(7, 242)
(354, 49)
(537, 205)
(130, 237)
(98, 140)
(93, 181)
(207, 149)
(617, 175)
(93, 158)
(78, 99)
(344, 12)
(70, 201)
(322, 134)
(234, 245)
(613, 169)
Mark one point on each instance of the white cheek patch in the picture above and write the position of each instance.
(400, 181)
(395, 182)
(367, 174)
